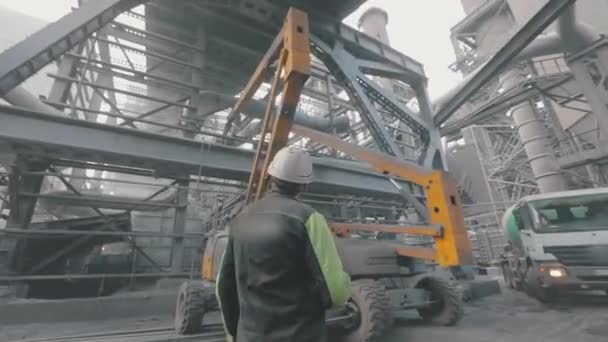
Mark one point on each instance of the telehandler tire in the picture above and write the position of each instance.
(190, 308)
(446, 308)
(373, 306)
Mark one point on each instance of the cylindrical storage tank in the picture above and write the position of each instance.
(511, 230)
(373, 23)
(535, 139)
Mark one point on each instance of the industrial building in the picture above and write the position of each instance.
(121, 154)
(532, 129)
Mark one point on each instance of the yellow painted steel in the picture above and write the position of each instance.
(452, 247)
(445, 209)
(446, 226)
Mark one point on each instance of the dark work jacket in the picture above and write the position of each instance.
(279, 274)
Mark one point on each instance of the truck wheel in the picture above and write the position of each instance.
(510, 278)
(446, 306)
(373, 306)
(534, 289)
(190, 307)
(507, 275)
(547, 295)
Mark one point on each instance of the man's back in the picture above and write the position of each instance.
(277, 253)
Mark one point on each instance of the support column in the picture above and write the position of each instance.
(533, 134)
(331, 109)
(179, 227)
(196, 100)
(373, 22)
(591, 74)
(21, 212)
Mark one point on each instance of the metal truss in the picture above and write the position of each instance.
(504, 162)
(62, 138)
(144, 82)
(369, 97)
(500, 103)
(32, 54)
(539, 22)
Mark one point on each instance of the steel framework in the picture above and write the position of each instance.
(130, 100)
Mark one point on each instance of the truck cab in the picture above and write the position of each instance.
(557, 241)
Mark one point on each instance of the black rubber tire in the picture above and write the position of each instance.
(375, 317)
(547, 295)
(507, 275)
(533, 288)
(510, 279)
(448, 309)
(190, 308)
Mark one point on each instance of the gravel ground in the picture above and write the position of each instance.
(513, 317)
(510, 317)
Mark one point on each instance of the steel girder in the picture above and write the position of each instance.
(506, 100)
(345, 71)
(349, 71)
(524, 36)
(61, 138)
(360, 45)
(38, 50)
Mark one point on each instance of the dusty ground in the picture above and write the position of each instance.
(510, 317)
(513, 317)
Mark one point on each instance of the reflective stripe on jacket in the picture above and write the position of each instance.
(280, 272)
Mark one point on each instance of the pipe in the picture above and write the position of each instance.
(570, 37)
(257, 108)
(545, 45)
(251, 129)
(575, 36)
(20, 97)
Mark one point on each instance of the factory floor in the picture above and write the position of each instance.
(509, 317)
(513, 317)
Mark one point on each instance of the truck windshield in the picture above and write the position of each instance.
(575, 213)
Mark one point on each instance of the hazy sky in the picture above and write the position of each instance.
(421, 30)
(418, 28)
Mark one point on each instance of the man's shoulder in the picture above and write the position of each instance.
(285, 205)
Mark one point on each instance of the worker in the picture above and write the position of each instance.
(281, 269)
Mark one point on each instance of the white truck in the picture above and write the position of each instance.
(557, 242)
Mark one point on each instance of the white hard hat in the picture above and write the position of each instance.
(293, 165)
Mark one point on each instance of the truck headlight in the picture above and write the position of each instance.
(557, 272)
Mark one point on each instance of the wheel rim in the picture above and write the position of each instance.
(436, 302)
(355, 322)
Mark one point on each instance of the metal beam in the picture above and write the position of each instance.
(41, 48)
(524, 36)
(506, 100)
(268, 13)
(121, 91)
(62, 138)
